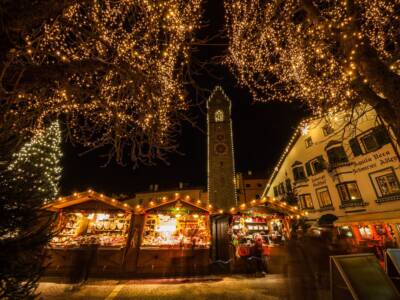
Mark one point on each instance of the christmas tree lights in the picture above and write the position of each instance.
(37, 165)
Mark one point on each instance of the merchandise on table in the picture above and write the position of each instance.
(176, 230)
(87, 228)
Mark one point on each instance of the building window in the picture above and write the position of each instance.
(337, 155)
(219, 116)
(305, 201)
(327, 129)
(369, 142)
(324, 197)
(308, 142)
(298, 173)
(259, 185)
(315, 166)
(388, 184)
(349, 192)
(365, 232)
(385, 182)
(247, 185)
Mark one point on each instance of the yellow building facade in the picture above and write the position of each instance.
(346, 165)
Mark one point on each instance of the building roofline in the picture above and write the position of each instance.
(295, 136)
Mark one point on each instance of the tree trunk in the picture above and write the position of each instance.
(384, 109)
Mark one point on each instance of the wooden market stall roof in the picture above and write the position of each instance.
(278, 206)
(83, 197)
(274, 204)
(90, 195)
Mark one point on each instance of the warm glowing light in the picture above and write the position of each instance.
(290, 50)
(119, 65)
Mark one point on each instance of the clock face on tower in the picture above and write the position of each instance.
(221, 148)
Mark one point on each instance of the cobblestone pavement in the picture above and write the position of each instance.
(290, 278)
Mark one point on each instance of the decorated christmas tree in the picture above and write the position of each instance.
(37, 164)
(28, 182)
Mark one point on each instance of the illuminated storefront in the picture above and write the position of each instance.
(371, 231)
(106, 229)
(170, 236)
(92, 235)
(176, 230)
(175, 239)
(257, 223)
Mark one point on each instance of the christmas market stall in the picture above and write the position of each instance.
(255, 228)
(92, 237)
(175, 238)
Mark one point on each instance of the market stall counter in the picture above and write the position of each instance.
(175, 240)
(92, 236)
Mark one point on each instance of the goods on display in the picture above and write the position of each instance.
(247, 229)
(174, 230)
(83, 228)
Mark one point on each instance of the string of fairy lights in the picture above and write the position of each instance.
(37, 164)
(309, 50)
(124, 63)
(291, 211)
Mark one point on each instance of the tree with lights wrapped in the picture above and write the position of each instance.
(114, 69)
(330, 55)
(29, 181)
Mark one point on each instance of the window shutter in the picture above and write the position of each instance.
(355, 147)
(288, 186)
(308, 169)
(321, 161)
(295, 174)
(331, 156)
(381, 135)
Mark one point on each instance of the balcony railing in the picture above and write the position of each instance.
(357, 203)
(300, 181)
(388, 198)
(325, 208)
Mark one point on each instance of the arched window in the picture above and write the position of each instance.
(219, 116)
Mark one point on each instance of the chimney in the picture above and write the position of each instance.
(156, 187)
(180, 185)
(249, 172)
(151, 188)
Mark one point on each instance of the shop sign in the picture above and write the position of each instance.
(372, 161)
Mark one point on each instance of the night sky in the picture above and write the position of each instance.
(260, 132)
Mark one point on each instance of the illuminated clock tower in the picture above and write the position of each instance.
(221, 165)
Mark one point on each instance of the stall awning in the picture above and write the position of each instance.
(386, 217)
(84, 197)
(197, 205)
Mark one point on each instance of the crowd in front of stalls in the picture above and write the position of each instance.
(373, 236)
(171, 237)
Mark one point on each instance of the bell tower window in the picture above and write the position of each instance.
(219, 116)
